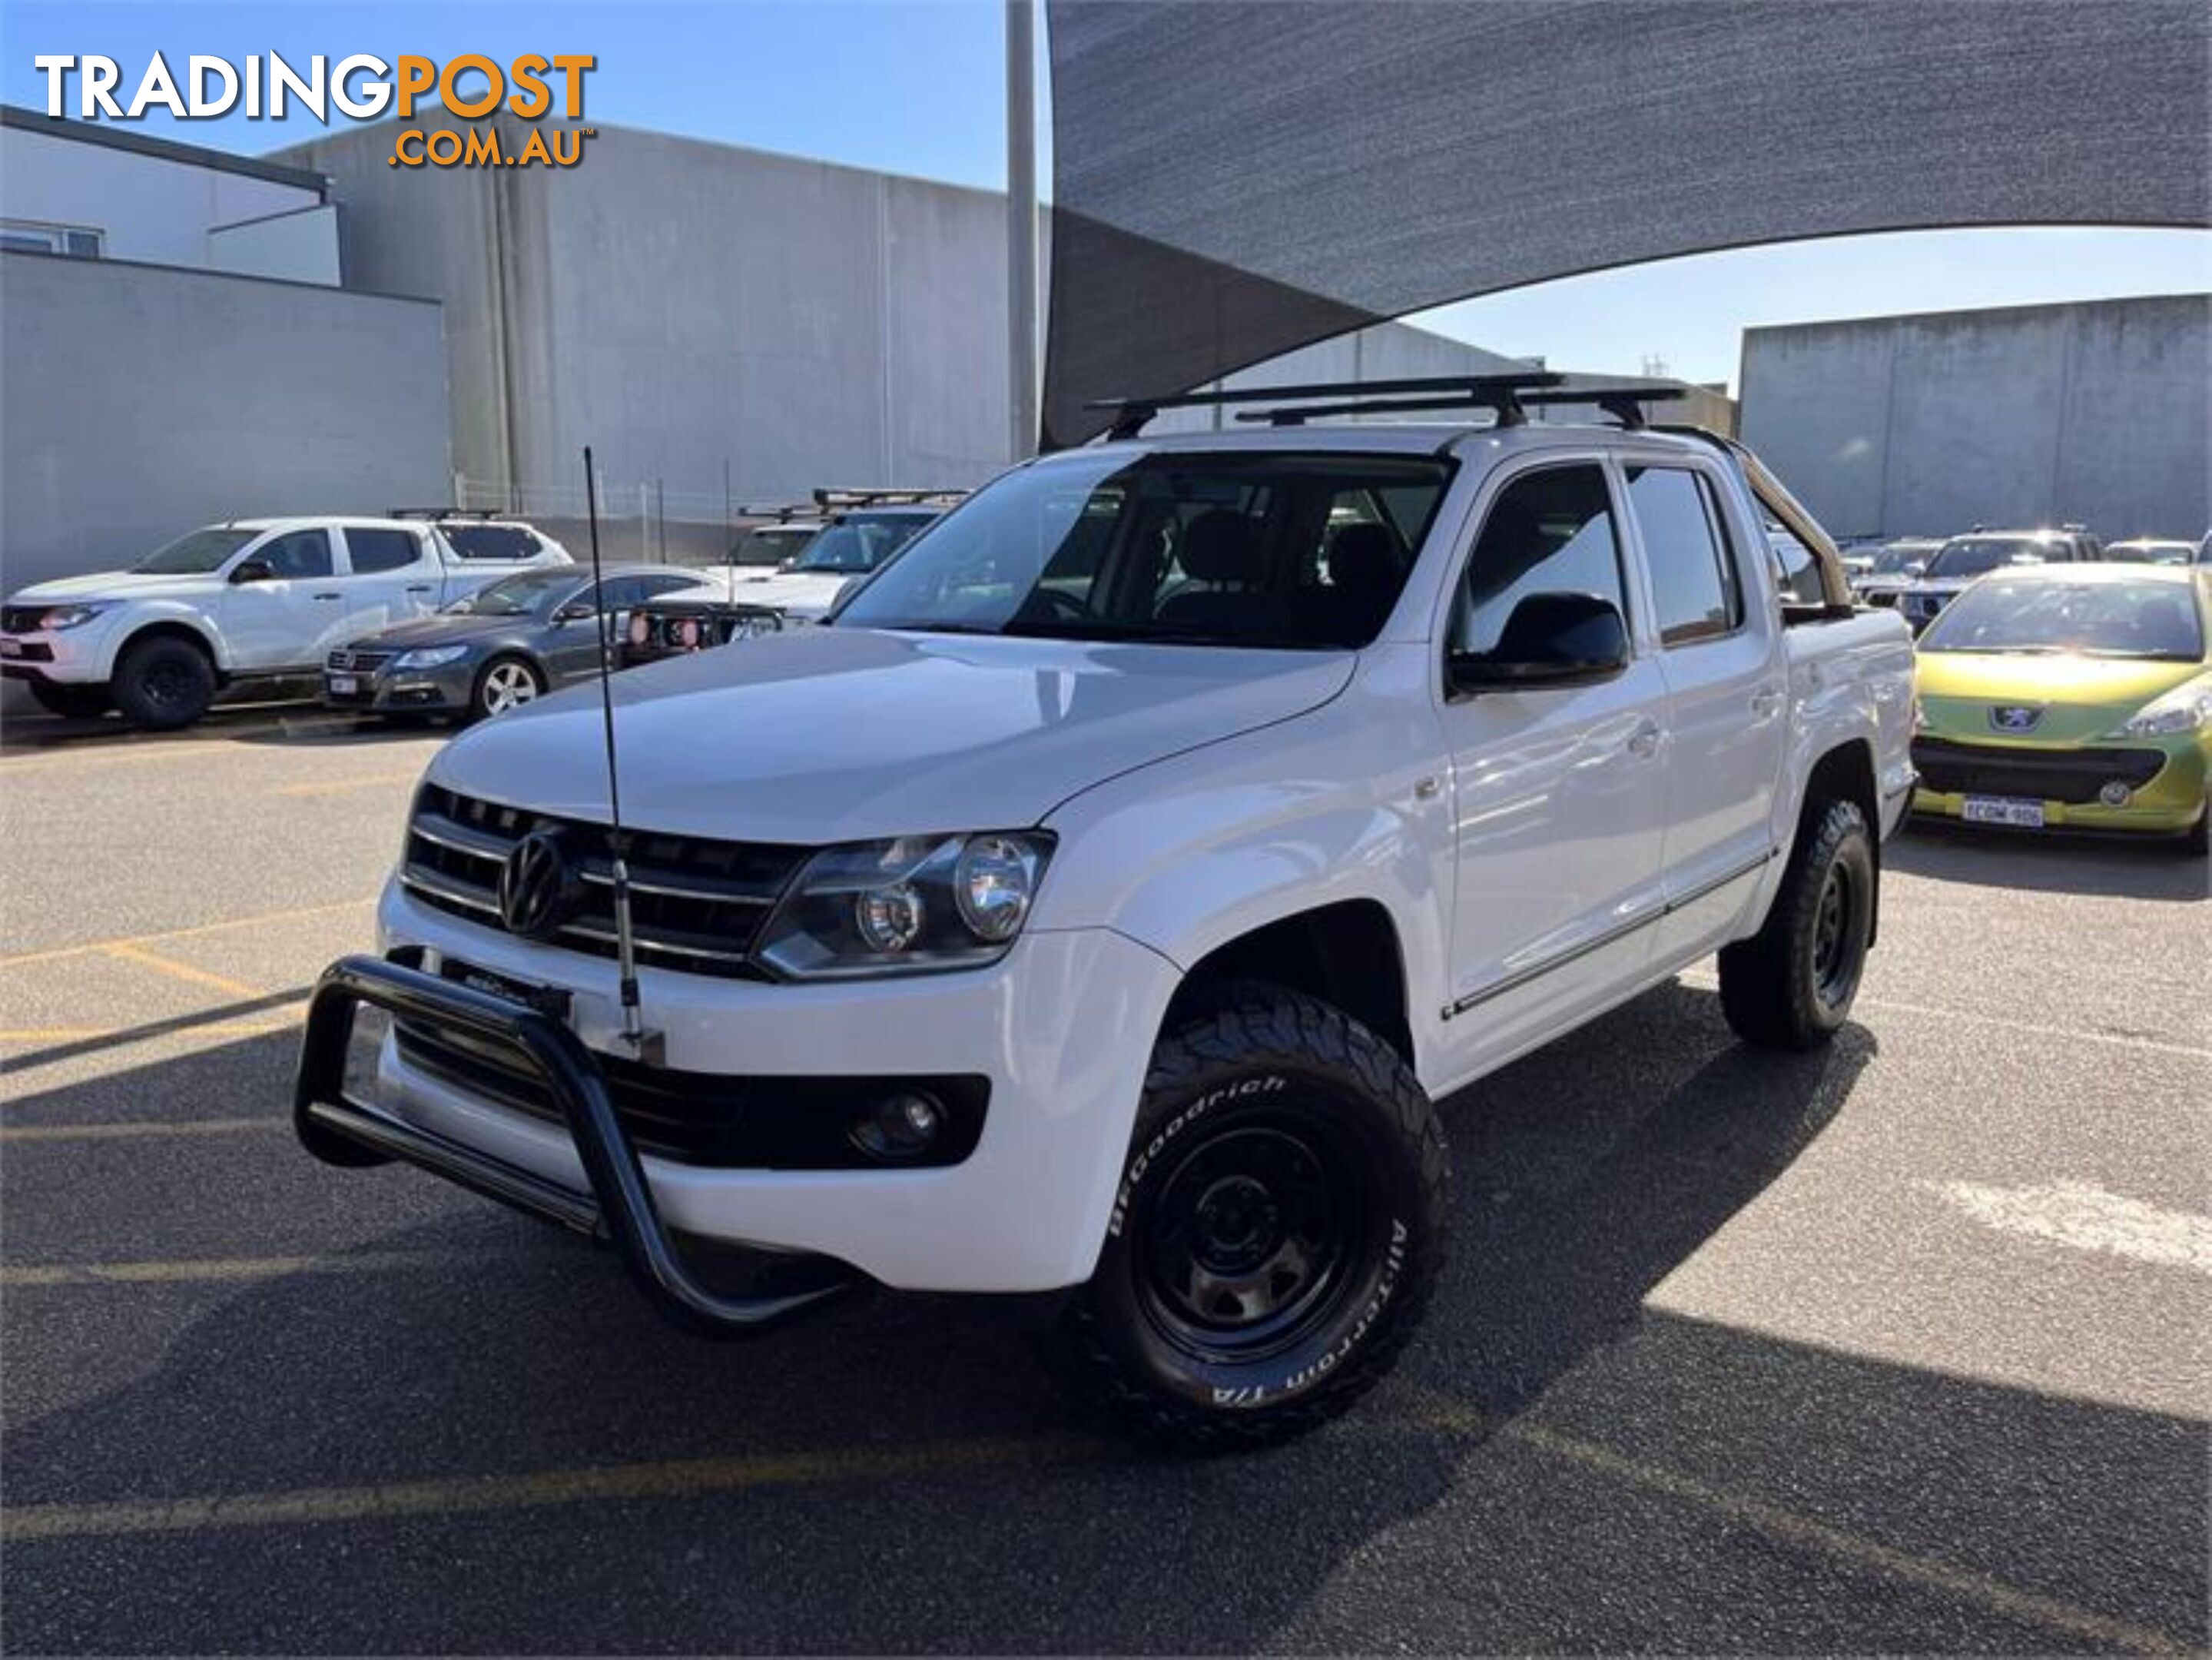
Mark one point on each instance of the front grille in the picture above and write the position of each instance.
(700, 1118)
(21, 619)
(2073, 776)
(696, 905)
(359, 662)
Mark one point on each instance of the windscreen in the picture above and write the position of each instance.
(2155, 620)
(858, 543)
(1286, 552)
(1972, 555)
(517, 596)
(195, 554)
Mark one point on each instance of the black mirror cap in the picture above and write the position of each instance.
(252, 570)
(574, 611)
(1551, 640)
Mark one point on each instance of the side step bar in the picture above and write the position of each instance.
(341, 1130)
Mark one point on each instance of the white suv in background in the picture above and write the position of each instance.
(253, 598)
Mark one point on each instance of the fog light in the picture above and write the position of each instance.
(904, 1124)
(888, 918)
(2114, 795)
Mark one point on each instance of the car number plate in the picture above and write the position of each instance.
(2003, 810)
(344, 685)
(547, 1000)
(10, 648)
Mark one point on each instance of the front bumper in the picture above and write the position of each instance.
(62, 657)
(1062, 1030)
(388, 690)
(2169, 802)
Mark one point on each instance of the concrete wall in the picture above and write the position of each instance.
(141, 401)
(160, 210)
(679, 305)
(2094, 413)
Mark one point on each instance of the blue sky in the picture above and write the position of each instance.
(918, 87)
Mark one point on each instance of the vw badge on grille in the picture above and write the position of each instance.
(536, 888)
(2013, 717)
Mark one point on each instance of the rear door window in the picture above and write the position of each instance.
(510, 542)
(1695, 592)
(371, 549)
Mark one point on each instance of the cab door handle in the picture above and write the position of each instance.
(329, 596)
(1644, 742)
(1766, 703)
(418, 588)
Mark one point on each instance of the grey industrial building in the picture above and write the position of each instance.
(2093, 413)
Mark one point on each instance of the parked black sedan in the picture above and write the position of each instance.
(502, 647)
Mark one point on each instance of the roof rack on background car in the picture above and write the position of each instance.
(827, 499)
(1496, 392)
(485, 513)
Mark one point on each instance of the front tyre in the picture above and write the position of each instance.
(163, 682)
(504, 683)
(1790, 985)
(1277, 1233)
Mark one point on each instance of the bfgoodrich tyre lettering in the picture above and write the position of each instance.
(1277, 1231)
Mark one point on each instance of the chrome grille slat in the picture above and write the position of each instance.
(697, 903)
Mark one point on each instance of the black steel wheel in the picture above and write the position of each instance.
(163, 682)
(1791, 984)
(1277, 1232)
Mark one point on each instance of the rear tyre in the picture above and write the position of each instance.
(72, 702)
(1790, 985)
(503, 684)
(163, 682)
(1278, 1231)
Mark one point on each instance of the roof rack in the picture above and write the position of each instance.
(1496, 392)
(827, 499)
(1624, 403)
(446, 513)
(781, 514)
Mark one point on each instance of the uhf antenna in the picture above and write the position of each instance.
(644, 1044)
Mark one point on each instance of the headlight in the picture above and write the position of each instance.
(69, 617)
(908, 906)
(430, 657)
(2187, 707)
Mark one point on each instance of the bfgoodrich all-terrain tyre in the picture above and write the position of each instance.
(1278, 1231)
(1790, 985)
(163, 682)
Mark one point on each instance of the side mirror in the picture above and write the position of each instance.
(1915, 568)
(252, 570)
(576, 611)
(1551, 640)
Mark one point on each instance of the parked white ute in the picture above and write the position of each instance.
(1101, 903)
(253, 598)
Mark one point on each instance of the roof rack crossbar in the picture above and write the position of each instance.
(1624, 403)
(1499, 391)
(444, 513)
(826, 497)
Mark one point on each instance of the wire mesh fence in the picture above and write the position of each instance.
(639, 519)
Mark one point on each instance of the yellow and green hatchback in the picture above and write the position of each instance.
(2070, 697)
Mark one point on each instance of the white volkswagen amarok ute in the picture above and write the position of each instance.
(1103, 900)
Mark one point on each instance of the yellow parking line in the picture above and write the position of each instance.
(187, 1270)
(142, 1127)
(90, 1034)
(690, 1477)
(337, 786)
(58, 952)
(184, 971)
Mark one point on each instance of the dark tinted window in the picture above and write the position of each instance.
(655, 586)
(1694, 592)
(1547, 532)
(1271, 551)
(374, 551)
(491, 541)
(1797, 569)
(297, 553)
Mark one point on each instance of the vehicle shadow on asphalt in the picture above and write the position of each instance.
(2095, 867)
(1488, 1497)
(291, 723)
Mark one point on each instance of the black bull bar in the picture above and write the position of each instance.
(619, 1209)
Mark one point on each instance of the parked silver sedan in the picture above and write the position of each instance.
(504, 646)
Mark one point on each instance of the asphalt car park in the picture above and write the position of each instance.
(1897, 1346)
